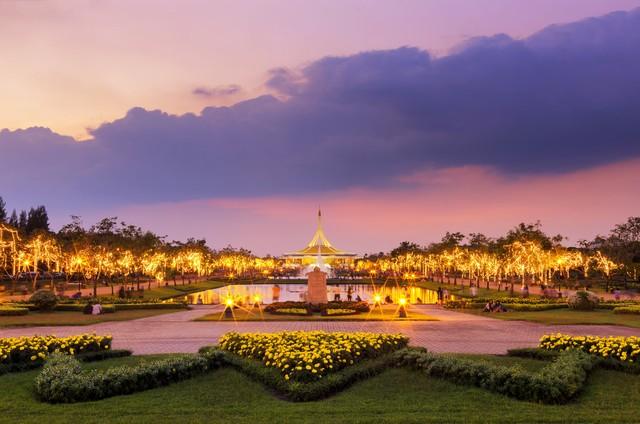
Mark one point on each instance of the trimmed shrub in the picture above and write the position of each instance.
(291, 311)
(134, 306)
(524, 307)
(558, 382)
(103, 354)
(83, 307)
(522, 300)
(360, 307)
(534, 353)
(304, 392)
(44, 300)
(547, 355)
(463, 304)
(310, 355)
(275, 306)
(12, 311)
(64, 381)
(331, 312)
(635, 310)
(583, 301)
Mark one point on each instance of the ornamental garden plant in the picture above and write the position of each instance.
(625, 349)
(334, 308)
(309, 356)
(305, 366)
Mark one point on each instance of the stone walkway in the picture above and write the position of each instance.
(455, 332)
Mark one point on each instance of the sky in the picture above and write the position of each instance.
(235, 120)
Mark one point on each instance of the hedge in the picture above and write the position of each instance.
(547, 355)
(84, 357)
(64, 381)
(360, 307)
(303, 392)
(132, 306)
(635, 310)
(556, 383)
(12, 311)
(524, 307)
(79, 307)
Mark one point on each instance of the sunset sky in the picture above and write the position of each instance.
(234, 120)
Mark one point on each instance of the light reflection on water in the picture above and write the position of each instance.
(269, 293)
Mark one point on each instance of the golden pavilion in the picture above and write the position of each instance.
(320, 250)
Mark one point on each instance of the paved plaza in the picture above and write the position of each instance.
(455, 332)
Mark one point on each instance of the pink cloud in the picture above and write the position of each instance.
(468, 199)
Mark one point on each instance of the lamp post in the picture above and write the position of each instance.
(402, 311)
(228, 309)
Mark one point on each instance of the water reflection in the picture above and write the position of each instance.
(269, 293)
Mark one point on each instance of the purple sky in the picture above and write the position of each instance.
(403, 119)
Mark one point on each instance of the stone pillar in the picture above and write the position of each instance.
(317, 286)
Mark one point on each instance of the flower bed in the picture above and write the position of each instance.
(360, 307)
(274, 307)
(36, 349)
(291, 311)
(339, 312)
(308, 356)
(355, 307)
(625, 349)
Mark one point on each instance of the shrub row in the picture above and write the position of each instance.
(556, 383)
(520, 300)
(84, 357)
(547, 355)
(275, 306)
(64, 381)
(291, 311)
(532, 307)
(168, 305)
(321, 308)
(80, 307)
(12, 311)
(113, 300)
(635, 310)
(103, 354)
(106, 307)
(303, 392)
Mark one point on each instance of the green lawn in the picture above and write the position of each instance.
(394, 396)
(167, 292)
(36, 319)
(564, 316)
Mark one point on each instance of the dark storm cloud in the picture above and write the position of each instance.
(220, 91)
(563, 99)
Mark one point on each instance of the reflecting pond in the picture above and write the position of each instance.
(269, 293)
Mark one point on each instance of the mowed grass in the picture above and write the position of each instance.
(171, 290)
(387, 313)
(36, 319)
(397, 395)
(565, 316)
